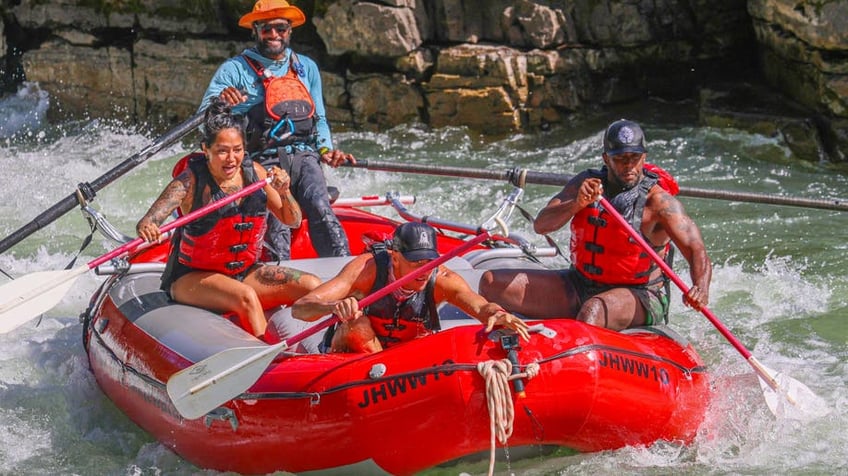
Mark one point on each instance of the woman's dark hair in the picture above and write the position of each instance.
(219, 116)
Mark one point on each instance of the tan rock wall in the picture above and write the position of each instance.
(492, 65)
(84, 80)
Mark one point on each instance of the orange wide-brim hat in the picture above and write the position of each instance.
(265, 10)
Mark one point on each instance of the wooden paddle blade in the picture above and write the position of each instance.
(208, 384)
(29, 296)
(792, 399)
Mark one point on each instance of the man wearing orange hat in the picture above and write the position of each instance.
(280, 92)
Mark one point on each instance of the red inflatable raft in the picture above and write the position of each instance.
(411, 407)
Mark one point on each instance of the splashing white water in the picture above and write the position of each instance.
(23, 112)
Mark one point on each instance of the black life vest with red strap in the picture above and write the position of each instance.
(228, 240)
(395, 321)
(286, 116)
(601, 249)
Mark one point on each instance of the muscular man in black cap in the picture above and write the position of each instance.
(407, 313)
(612, 282)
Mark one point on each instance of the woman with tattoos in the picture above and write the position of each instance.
(612, 282)
(214, 261)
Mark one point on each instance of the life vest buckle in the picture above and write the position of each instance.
(244, 226)
(278, 135)
(597, 221)
(238, 248)
(591, 269)
(593, 247)
(234, 265)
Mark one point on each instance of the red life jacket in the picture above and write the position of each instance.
(396, 321)
(286, 116)
(667, 182)
(601, 249)
(228, 240)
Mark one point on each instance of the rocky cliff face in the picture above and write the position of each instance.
(493, 65)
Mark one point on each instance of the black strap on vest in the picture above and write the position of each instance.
(383, 261)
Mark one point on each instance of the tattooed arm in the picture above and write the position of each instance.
(178, 193)
(671, 219)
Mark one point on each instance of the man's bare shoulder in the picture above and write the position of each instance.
(448, 279)
(664, 212)
(661, 202)
(361, 266)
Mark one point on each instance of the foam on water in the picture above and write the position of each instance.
(23, 112)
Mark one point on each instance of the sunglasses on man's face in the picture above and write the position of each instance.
(280, 28)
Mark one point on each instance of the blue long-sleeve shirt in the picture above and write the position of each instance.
(237, 73)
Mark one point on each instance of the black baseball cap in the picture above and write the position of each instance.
(624, 136)
(416, 241)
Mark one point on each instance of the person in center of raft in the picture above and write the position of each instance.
(281, 93)
(407, 313)
(214, 259)
(612, 282)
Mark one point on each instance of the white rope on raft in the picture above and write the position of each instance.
(497, 374)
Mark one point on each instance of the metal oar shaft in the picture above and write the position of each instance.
(520, 177)
(71, 201)
(769, 199)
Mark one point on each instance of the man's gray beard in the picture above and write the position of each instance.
(268, 52)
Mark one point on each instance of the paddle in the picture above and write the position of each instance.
(204, 386)
(35, 293)
(519, 177)
(778, 388)
(88, 189)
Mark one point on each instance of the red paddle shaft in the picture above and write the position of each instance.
(377, 295)
(680, 284)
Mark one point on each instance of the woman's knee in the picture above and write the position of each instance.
(247, 300)
(308, 282)
(300, 284)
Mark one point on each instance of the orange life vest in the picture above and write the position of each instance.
(286, 116)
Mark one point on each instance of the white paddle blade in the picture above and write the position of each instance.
(792, 399)
(208, 384)
(29, 296)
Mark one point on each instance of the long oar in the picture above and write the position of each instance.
(208, 384)
(519, 177)
(89, 189)
(779, 388)
(35, 293)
